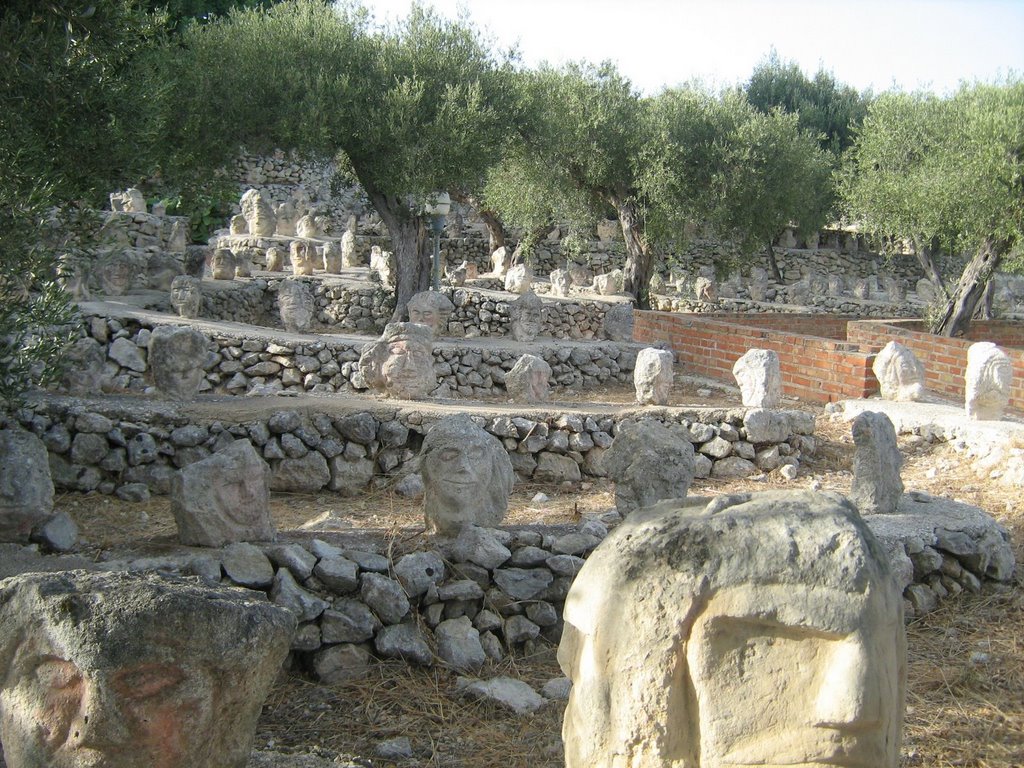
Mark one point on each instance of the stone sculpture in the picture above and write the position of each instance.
(758, 290)
(501, 260)
(895, 288)
(275, 259)
(124, 670)
(222, 264)
(176, 359)
(161, 269)
(259, 215)
(836, 285)
(349, 257)
(116, 273)
(284, 214)
(295, 305)
(243, 261)
(187, 296)
(652, 376)
(432, 309)
(177, 241)
(383, 263)
(580, 275)
(987, 381)
(84, 370)
(927, 291)
(298, 255)
(759, 377)
(704, 289)
(129, 201)
(457, 275)
(467, 476)
(617, 324)
(752, 629)
(900, 374)
(609, 283)
(649, 462)
(877, 485)
(224, 498)
(333, 257)
(799, 293)
(527, 315)
(401, 362)
(518, 279)
(861, 289)
(472, 270)
(26, 488)
(560, 283)
(195, 260)
(307, 227)
(238, 225)
(527, 382)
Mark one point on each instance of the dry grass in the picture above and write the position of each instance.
(966, 661)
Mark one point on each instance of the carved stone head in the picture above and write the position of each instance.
(759, 377)
(988, 378)
(401, 362)
(432, 309)
(527, 314)
(652, 376)
(295, 303)
(187, 296)
(176, 359)
(222, 264)
(900, 374)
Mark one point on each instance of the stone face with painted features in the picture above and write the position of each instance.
(527, 313)
(432, 309)
(528, 381)
(759, 378)
(987, 381)
(648, 462)
(187, 296)
(295, 305)
(400, 363)
(652, 376)
(176, 358)
(467, 476)
(125, 670)
(26, 488)
(900, 374)
(754, 629)
(224, 498)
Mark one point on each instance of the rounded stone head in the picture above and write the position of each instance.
(186, 296)
(401, 362)
(527, 314)
(176, 358)
(295, 305)
(467, 476)
(652, 376)
(123, 670)
(988, 378)
(900, 374)
(756, 629)
(430, 308)
(222, 264)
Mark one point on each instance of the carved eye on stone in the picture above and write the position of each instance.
(449, 454)
(148, 681)
(57, 674)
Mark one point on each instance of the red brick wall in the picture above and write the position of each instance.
(813, 368)
(945, 359)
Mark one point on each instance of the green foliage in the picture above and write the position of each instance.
(180, 12)
(829, 110)
(944, 170)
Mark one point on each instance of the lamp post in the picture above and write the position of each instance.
(437, 211)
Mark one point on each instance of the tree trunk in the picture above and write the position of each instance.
(926, 258)
(491, 220)
(956, 318)
(773, 265)
(639, 263)
(411, 248)
(984, 310)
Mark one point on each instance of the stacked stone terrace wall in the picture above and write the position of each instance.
(813, 368)
(945, 359)
(133, 446)
(143, 230)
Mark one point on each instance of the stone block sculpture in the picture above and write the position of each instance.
(432, 309)
(176, 359)
(752, 629)
(115, 272)
(187, 296)
(527, 382)
(900, 374)
(275, 259)
(349, 257)
(125, 670)
(987, 381)
(383, 263)
(400, 363)
(222, 264)
(617, 324)
(501, 260)
(26, 488)
(298, 255)
(238, 225)
(652, 376)
(560, 283)
(224, 498)
(285, 217)
(877, 461)
(648, 462)
(84, 372)
(129, 201)
(295, 305)
(527, 314)
(467, 476)
(307, 227)
(609, 283)
(518, 279)
(759, 377)
(258, 213)
(333, 257)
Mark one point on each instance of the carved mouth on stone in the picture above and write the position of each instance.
(814, 749)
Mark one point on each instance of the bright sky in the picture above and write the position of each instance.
(877, 44)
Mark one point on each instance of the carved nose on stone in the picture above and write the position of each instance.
(98, 724)
(849, 697)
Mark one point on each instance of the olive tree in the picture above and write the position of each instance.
(945, 173)
(408, 111)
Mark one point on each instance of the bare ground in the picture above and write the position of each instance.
(965, 703)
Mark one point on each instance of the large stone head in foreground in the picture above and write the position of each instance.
(121, 671)
(401, 362)
(757, 629)
(467, 476)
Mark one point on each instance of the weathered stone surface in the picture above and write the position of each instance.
(385, 596)
(528, 381)
(877, 486)
(187, 296)
(796, 580)
(295, 305)
(733, 467)
(224, 498)
(247, 566)
(134, 670)
(123, 352)
(26, 487)
(294, 557)
(458, 644)
(340, 664)
(403, 641)
(518, 279)
(349, 477)
(307, 474)
(176, 357)
(513, 694)
(759, 378)
(432, 309)
(467, 476)
(338, 574)
(400, 363)
(259, 215)
(522, 583)
(618, 322)
(554, 468)
(987, 381)
(652, 376)
(348, 621)
(57, 534)
(527, 315)
(648, 463)
(286, 593)
(480, 546)
(900, 374)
